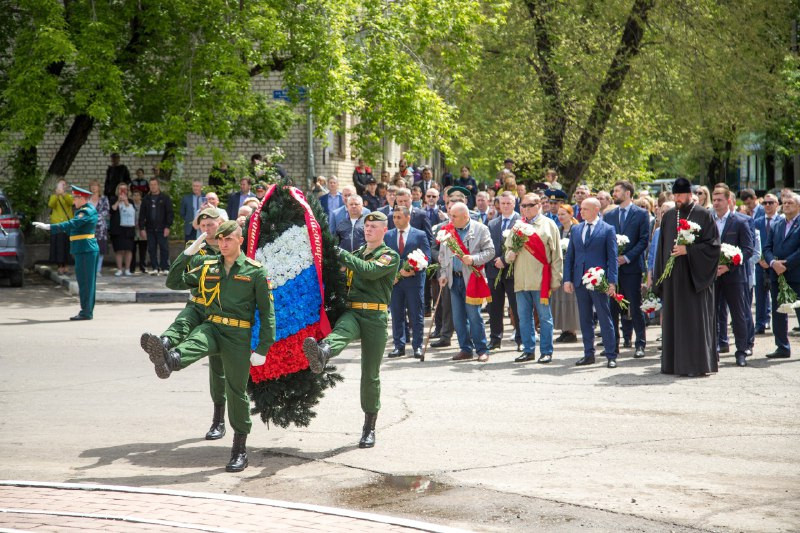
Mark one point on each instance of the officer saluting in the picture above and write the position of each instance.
(83, 246)
(234, 287)
(371, 270)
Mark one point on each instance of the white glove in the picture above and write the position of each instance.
(42, 226)
(257, 360)
(196, 245)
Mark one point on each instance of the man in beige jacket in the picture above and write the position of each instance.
(537, 272)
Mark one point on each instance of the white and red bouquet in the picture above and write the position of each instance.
(446, 238)
(622, 243)
(415, 262)
(520, 232)
(564, 244)
(687, 233)
(730, 255)
(787, 298)
(651, 303)
(594, 279)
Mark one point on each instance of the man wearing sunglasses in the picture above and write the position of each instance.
(764, 227)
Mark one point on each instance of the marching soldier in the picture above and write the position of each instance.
(192, 316)
(233, 287)
(371, 270)
(83, 246)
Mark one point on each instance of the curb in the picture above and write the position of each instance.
(118, 296)
(357, 515)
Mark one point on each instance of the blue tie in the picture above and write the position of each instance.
(505, 224)
(622, 213)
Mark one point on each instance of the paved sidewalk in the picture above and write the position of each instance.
(80, 507)
(139, 288)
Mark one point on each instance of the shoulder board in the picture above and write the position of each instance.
(211, 261)
(253, 262)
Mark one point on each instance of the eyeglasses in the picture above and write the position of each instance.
(769, 202)
(430, 196)
(529, 205)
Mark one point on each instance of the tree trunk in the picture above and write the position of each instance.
(593, 131)
(82, 126)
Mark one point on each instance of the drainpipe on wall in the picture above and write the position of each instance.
(311, 169)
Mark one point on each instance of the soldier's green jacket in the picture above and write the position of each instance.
(174, 275)
(370, 275)
(232, 295)
(83, 222)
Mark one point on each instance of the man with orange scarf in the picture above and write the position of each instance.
(537, 272)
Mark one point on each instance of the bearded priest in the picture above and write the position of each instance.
(688, 327)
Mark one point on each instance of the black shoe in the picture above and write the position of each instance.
(441, 343)
(545, 358)
(217, 430)
(368, 431)
(567, 336)
(436, 334)
(627, 344)
(79, 317)
(317, 354)
(639, 353)
(417, 353)
(164, 362)
(238, 460)
(779, 354)
(761, 331)
(494, 345)
(724, 349)
(612, 363)
(167, 345)
(583, 361)
(741, 360)
(526, 356)
(397, 353)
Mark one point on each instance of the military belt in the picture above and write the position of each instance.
(367, 306)
(233, 322)
(81, 237)
(197, 300)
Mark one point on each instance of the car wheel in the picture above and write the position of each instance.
(17, 279)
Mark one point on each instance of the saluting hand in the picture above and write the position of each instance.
(196, 245)
(41, 226)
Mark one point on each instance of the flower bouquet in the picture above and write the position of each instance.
(564, 244)
(446, 238)
(622, 243)
(687, 233)
(416, 262)
(730, 255)
(477, 289)
(520, 233)
(594, 279)
(651, 303)
(787, 298)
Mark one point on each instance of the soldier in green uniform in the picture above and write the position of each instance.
(371, 270)
(192, 316)
(234, 288)
(83, 246)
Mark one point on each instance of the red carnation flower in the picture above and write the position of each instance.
(683, 224)
(619, 297)
(594, 282)
(737, 259)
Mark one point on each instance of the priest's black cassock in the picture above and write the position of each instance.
(688, 327)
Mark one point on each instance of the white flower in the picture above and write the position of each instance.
(287, 256)
(527, 229)
(506, 233)
(442, 235)
(786, 308)
(796, 305)
(623, 240)
(564, 244)
(419, 258)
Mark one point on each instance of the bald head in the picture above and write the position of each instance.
(590, 208)
(459, 214)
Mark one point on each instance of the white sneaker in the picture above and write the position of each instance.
(118, 273)
(162, 272)
(127, 273)
(154, 272)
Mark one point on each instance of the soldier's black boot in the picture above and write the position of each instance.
(164, 361)
(317, 354)
(238, 460)
(217, 430)
(368, 431)
(167, 345)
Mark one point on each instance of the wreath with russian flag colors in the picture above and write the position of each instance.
(287, 234)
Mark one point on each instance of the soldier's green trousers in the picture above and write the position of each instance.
(232, 346)
(192, 316)
(370, 327)
(86, 275)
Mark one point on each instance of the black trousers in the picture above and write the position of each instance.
(504, 289)
(158, 248)
(735, 296)
(630, 286)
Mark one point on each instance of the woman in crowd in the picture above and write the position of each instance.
(140, 243)
(565, 306)
(123, 229)
(60, 204)
(704, 197)
(100, 202)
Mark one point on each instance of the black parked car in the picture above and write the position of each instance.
(12, 243)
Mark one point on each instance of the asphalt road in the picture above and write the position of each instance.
(490, 447)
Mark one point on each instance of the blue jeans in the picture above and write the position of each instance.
(526, 300)
(467, 320)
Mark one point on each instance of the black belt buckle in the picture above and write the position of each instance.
(458, 274)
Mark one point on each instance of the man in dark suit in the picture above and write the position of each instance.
(236, 199)
(592, 243)
(190, 207)
(633, 222)
(764, 227)
(501, 285)
(407, 293)
(731, 286)
(350, 231)
(333, 200)
(782, 254)
(419, 220)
